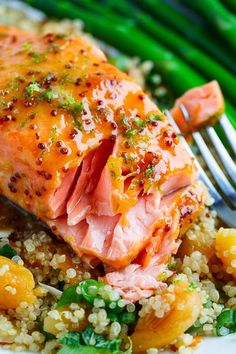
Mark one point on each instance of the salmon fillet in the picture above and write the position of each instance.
(84, 149)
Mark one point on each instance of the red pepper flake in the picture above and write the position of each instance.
(154, 123)
(141, 97)
(13, 179)
(14, 38)
(113, 137)
(32, 116)
(78, 81)
(38, 193)
(68, 66)
(33, 126)
(12, 187)
(82, 51)
(64, 151)
(73, 133)
(37, 136)
(59, 143)
(17, 174)
(114, 125)
(26, 191)
(45, 174)
(15, 99)
(88, 121)
(54, 113)
(100, 102)
(5, 118)
(95, 64)
(168, 142)
(88, 84)
(127, 145)
(65, 169)
(29, 102)
(83, 94)
(141, 182)
(79, 153)
(167, 227)
(42, 146)
(9, 107)
(39, 161)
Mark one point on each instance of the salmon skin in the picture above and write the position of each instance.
(84, 149)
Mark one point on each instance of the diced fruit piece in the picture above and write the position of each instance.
(66, 318)
(154, 332)
(205, 104)
(16, 284)
(226, 249)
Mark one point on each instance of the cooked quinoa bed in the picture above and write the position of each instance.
(206, 268)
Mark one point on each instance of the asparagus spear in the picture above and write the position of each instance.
(129, 39)
(192, 31)
(220, 18)
(231, 4)
(126, 37)
(194, 56)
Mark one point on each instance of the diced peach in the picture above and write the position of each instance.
(154, 332)
(16, 284)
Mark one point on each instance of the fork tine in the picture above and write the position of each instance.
(224, 212)
(210, 161)
(229, 131)
(205, 179)
(224, 156)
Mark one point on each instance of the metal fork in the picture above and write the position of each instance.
(225, 199)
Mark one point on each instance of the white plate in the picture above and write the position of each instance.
(210, 345)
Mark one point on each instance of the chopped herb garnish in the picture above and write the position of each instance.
(69, 295)
(31, 89)
(191, 287)
(155, 118)
(131, 133)
(172, 265)
(55, 48)
(38, 58)
(53, 134)
(47, 95)
(195, 327)
(89, 342)
(139, 122)
(226, 323)
(26, 46)
(149, 171)
(91, 290)
(7, 251)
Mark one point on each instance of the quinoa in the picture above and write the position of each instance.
(52, 262)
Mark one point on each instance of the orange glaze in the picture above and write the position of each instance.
(46, 137)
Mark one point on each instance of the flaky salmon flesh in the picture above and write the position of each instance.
(86, 151)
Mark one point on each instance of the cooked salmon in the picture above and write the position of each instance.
(84, 149)
(205, 105)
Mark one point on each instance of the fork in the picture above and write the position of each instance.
(224, 199)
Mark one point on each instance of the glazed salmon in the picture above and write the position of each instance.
(84, 149)
(205, 105)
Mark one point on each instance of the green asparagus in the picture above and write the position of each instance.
(192, 31)
(219, 16)
(194, 56)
